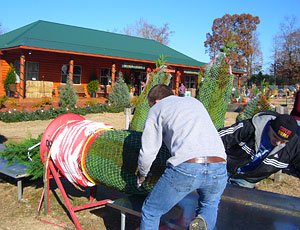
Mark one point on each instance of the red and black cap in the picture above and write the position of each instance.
(285, 126)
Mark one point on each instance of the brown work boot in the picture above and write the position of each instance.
(198, 223)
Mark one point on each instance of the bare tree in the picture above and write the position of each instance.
(255, 57)
(286, 53)
(145, 30)
(275, 57)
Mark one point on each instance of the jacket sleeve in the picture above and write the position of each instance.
(295, 163)
(237, 133)
(151, 143)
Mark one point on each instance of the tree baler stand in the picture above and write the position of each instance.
(51, 171)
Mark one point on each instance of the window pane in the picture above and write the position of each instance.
(103, 81)
(105, 77)
(104, 72)
(17, 67)
(32, 71)
(65, 69)
(33, 76)
(190, 81)
(76, 79)
(76, 74)
(77, 70)
(64, 78)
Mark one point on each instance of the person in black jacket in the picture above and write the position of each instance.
(259, 147)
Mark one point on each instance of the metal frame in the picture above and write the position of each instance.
(52, 172)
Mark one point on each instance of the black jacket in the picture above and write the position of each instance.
(242, 141)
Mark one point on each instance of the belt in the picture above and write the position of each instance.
(201, 160)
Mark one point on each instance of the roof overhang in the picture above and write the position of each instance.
(92, 55)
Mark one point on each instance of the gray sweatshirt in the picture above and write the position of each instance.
(185, 126)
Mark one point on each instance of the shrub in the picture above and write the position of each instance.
(68, 97)
(14, 103)
(93, 86)
(120, 95)
(3, 99)
(91, 102)
(18, 116)
(44, 101)
(10, 77)
(14, 151)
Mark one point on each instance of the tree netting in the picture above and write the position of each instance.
(142, 108)
(257, 104)
(216, 89)
(112, 160)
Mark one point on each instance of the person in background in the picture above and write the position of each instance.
(297, 88)
(259, 147)
(197, 162)
(181, 90)
(296, 110)
(143, 85)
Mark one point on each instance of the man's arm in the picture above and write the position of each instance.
(151, 143)
(236, 133)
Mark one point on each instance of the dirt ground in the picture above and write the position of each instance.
(24, 215)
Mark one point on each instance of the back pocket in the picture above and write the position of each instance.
(181, 181)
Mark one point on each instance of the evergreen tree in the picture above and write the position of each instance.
(10, 77)
(216, 89)
(120, 95)
(142, 108)
(68, 97)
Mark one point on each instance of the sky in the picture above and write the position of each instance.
(190, 20)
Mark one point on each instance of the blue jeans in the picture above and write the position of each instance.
(178, 181)
(240, 182)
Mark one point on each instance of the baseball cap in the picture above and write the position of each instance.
(285, 126)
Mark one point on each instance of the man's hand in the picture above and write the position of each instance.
(140, 180)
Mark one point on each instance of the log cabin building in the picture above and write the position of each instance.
(48, 52)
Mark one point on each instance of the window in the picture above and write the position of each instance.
(76, 74)
(105, 77)
(31, 70)
(190, 81)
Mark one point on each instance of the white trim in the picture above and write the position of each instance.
(275, 163)
(231, 130)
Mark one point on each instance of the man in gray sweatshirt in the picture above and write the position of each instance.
(197, 162)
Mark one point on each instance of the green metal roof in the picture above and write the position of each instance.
(54, 36)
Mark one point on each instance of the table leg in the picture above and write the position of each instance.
(20, 190)
(123, 220)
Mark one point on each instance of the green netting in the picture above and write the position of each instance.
(257, 104)
(143, 107)
(216, 89)
(112, 160)
(112, 157)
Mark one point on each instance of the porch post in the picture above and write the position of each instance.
(1, 72)
(21, 85)
(239, 79)
(113, 74)
(71, 69)
(178, 80)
